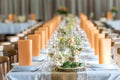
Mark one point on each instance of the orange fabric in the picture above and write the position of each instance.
(46, 33)
(96, 38)
(40, 34)
(109, 15)
(32, 17)
(11, 17)
(104, 51)
(25, 52)
(92, 38)
(35, 44)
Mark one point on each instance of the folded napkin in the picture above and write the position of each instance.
(25, 52)
(42, 57)
(109, 15)
(105, 51)
(35, 44)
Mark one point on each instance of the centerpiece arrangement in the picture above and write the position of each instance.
(114, 11)
(62, 10)
(70, 44)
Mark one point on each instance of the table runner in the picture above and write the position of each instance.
(64, 76)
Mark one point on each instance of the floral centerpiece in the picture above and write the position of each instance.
(62, 10)
(74, 44)
(70, 45)
(114, 11)
(69, 40)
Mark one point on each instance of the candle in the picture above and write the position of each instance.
(104, 51)
(25, 52)
(35, 44)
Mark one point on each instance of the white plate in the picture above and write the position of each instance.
(33, 67)
(39, 58)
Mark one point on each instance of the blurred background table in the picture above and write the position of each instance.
(114, 24)
(13, 28)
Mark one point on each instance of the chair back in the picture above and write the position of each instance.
(3, 66)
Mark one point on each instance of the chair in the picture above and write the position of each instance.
(2, 37)
(3, 66)
(12, 54)
(9, 51)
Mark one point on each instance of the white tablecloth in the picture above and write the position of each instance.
(13, 28)
(90, 73)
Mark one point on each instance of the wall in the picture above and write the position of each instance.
(45, 9)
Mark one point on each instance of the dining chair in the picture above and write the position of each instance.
(2, 37)
(3, 66)
(10, 52)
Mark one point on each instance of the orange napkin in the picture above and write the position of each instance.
(39, 33)
(43, 38)
(97, 36)
(50, 30)
(109, 15)
(35, 44)
(92, 38)
(43, 30)
(25, 52)
(105, 51)
(32, 16)
(11, 17)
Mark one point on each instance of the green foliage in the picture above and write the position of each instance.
(62, 10)
(114, 10)
(69, 64)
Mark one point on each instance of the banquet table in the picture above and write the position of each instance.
(90, 72)
(13, 28)
(114, 24)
